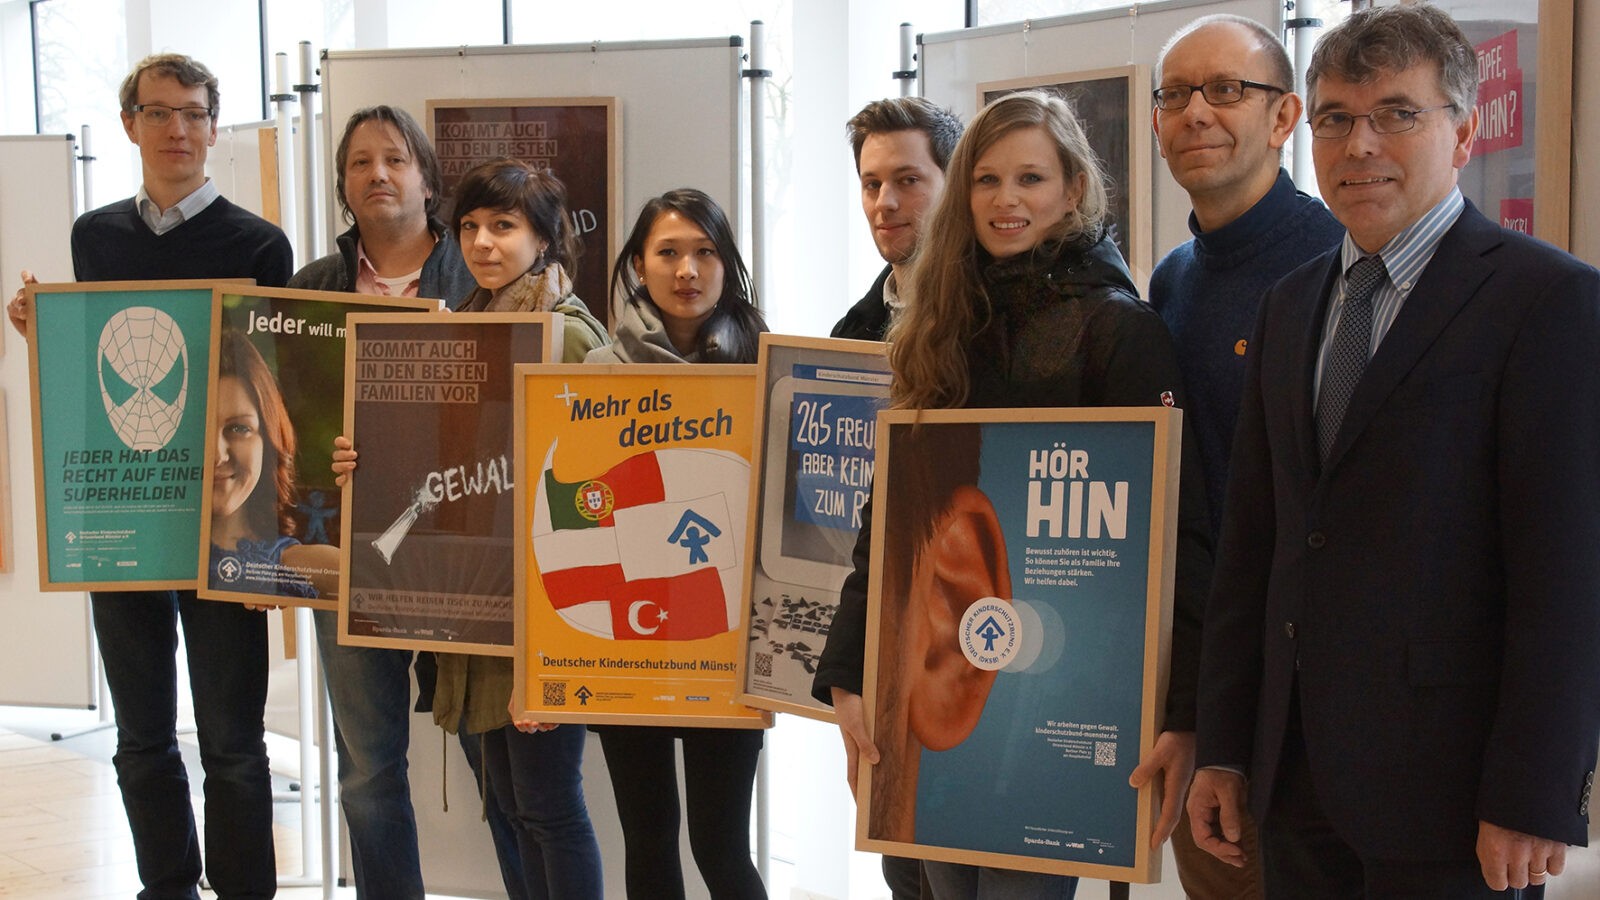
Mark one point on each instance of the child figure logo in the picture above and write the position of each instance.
(991, 634)
(144, 376)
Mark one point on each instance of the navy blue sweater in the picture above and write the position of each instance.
(1208, 290)
(224, 241)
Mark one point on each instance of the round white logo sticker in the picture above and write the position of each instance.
(991, 634)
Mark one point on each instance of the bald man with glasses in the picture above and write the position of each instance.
(1224, 109)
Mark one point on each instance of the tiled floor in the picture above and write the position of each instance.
(63, 834)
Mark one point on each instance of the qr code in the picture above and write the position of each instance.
(1105, 753)
(555, 693)
(764, 665)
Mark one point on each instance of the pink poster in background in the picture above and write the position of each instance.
(1516, 213)
(1500, 95)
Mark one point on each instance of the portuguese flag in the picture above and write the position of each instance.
(650, 549)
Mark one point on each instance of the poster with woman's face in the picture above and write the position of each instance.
(276, 402)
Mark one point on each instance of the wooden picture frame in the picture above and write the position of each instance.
(117, 443)
(427, 524)
(817, 402)
(577, 138)
(1521, 166)
(1043, 541)
(287, 348)
(1113, 104)
(630, 559)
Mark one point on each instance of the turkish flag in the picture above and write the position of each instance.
(681, 608)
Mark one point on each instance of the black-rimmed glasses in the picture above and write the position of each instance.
(158, 115)
(1217, 93)
(1384, 120)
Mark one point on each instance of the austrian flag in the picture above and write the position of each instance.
(650, 549)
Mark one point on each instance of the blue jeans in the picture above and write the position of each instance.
(227, 651)
(501, 831)
(953, 881)
(537, 782)
(370, 690)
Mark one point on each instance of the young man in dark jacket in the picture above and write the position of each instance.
(901, 147)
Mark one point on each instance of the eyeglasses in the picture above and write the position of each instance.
(1217, 93)
(1384, 120)
(157, 115)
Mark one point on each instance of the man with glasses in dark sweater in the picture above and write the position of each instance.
(1224, 108)
(179, 226)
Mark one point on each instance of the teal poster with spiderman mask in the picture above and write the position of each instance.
(119, 396)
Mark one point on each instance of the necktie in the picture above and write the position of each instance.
(1352, 342)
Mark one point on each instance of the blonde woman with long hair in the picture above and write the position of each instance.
(1019, 298)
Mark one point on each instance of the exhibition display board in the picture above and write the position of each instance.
(1017, 636)
(51, 662)
(275, 404)
(650, 81)
(427, 524)
(1519, 173)
(631, 543)
(818, 404)
(574, 138)
(119, 401)
(1066, 50)
(1114, 105)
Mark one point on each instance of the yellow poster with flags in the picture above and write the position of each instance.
(633, 504)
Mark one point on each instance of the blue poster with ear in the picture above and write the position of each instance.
(1022, 602)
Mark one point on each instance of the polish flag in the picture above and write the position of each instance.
(650, 549)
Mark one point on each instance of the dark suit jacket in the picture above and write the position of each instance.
(1438, 581)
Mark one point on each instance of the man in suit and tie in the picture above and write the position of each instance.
(1400, 666)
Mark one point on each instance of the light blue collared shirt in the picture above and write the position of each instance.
(1405, 256)
(162, 221)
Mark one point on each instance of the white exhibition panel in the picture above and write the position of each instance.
(45, 650)
(954, 63)
(242, 162)
(679, 102)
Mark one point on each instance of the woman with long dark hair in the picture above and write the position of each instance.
(686, 298)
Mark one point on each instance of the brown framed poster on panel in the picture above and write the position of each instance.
(817, 402)
(631, 524)
(119, 431)
(1114, 107)
(576, 138)
(1520, 171)
(1019, 613)
(428, 515)
(276, 402)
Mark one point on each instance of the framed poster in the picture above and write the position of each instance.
(276, 402)
(576, 138)
(1018, 621)
(1520, 170)
(428, 515)
(818, 404)
(632, 523)
(1114, 106)
(119, 431)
